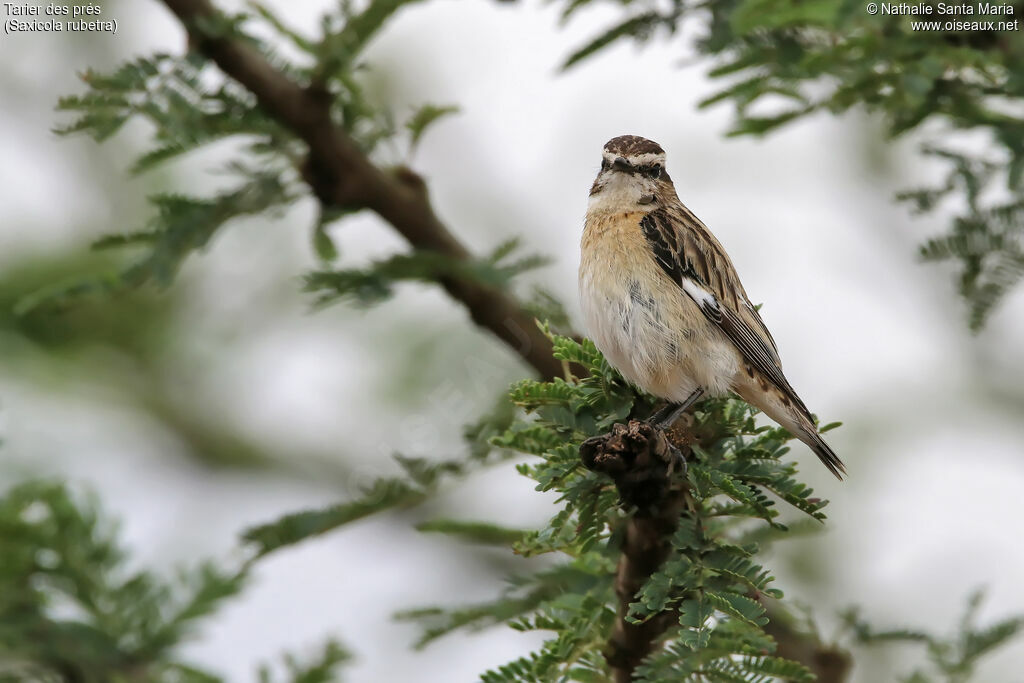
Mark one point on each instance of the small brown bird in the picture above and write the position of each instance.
(664, 304)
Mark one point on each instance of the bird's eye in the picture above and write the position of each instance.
(605, 164)
(654, 170)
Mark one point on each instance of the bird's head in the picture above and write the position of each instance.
(632, 172)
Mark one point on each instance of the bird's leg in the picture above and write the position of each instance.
(666, 417)
(658, 416)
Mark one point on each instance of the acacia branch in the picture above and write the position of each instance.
(341, 175)
(640, 460)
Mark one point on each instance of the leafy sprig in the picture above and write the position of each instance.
(713, 584)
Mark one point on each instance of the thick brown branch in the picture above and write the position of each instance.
(341, 175)
(640, 460)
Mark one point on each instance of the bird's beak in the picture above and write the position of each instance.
(620, 164)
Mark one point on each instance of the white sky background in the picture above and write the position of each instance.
(932, 507)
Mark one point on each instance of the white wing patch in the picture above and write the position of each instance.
(705, 299)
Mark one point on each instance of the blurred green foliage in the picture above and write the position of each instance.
(951, 659)
(188, 106)
(129, 343)
(780, 62)
(376, 283)
(74, 609)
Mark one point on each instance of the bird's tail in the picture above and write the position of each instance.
(794, 416)
(810, 436)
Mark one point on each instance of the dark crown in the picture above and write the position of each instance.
(626, 145)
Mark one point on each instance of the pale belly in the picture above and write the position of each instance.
(647, 327)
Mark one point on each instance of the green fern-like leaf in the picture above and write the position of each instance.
(384, 494)
(473, 532)
(738, 606)
(423, 118)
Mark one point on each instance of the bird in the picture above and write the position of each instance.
(662, 301)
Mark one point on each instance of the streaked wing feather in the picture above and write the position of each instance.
(695, 261)
(764, 328)
(664, 246)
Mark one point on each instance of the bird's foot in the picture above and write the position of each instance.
(638, 457)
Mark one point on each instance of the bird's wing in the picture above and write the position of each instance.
(692, 257)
